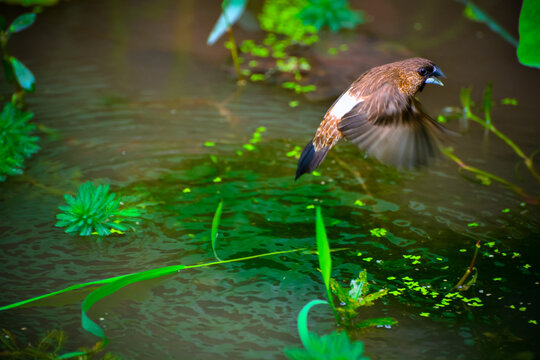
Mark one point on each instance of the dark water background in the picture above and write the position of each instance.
(135, 93)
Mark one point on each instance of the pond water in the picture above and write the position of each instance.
(134, 93)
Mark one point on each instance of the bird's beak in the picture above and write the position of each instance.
(433, 78)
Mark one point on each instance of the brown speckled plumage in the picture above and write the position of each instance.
(327, 134)
(381, 115)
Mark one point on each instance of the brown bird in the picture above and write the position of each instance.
(379, 113)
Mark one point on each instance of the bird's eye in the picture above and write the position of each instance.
(422, 71)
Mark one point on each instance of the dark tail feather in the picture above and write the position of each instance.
(310, 159)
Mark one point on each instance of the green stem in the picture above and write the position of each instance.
(234, 54)
(459, 285)
(449, 152)
(517, 149)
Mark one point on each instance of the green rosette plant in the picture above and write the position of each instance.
(95, 211)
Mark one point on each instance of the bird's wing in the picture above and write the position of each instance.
(393, 128)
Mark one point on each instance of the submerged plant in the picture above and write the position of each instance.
(335, 346)
(48, 347)
(16, 140)
(94, 209)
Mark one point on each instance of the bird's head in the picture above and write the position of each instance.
(415, 73)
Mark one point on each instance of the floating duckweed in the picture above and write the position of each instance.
(186, 190)
(534, 322)
(316, 173)
(509, 101)
(368, 259)
(294, 103)
(359, 203)
(424, 314)
(217, 179)
(296, 152)
(391, 278)
(378, 232)
(505, 210)
(462, 250)
(442, 119)
(497, 279)
(209, 144)
(523, 308)
(473, 224)
(248, 147)
(311, 206)
(527, 266)
(257, 77)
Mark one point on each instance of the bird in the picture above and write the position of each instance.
(381, 115)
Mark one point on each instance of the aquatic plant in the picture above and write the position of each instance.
(335, 346)
(355, 297)
(16, 140)
(48, 347)
(215, 226)
(325, 259)
(94, 209)
(232, 10)
(482, 176)
(336, 14)
(15, 71)
(285, 30)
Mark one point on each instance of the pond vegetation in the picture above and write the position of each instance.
(223, 229)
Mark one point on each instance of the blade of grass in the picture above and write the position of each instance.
(302, 321)
(449, 152)
(325, 260)
(215, 225)
(116, 283)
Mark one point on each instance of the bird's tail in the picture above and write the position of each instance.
(310, 159)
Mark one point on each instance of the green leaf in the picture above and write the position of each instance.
(474, 13)
(528, 50)
(488, 102)
(232, 11)
(215, 225)
(22, 22)
(325, 260)
(24, 76)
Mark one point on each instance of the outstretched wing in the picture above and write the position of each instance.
(393, 128)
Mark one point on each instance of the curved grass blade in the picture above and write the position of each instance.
(116, 283)
(232, 11)
(215, 225)
(325, 260)
(302, 321)
(109, 280)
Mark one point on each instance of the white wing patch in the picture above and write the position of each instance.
(344, 104)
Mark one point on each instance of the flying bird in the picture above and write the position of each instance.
(380, 114)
